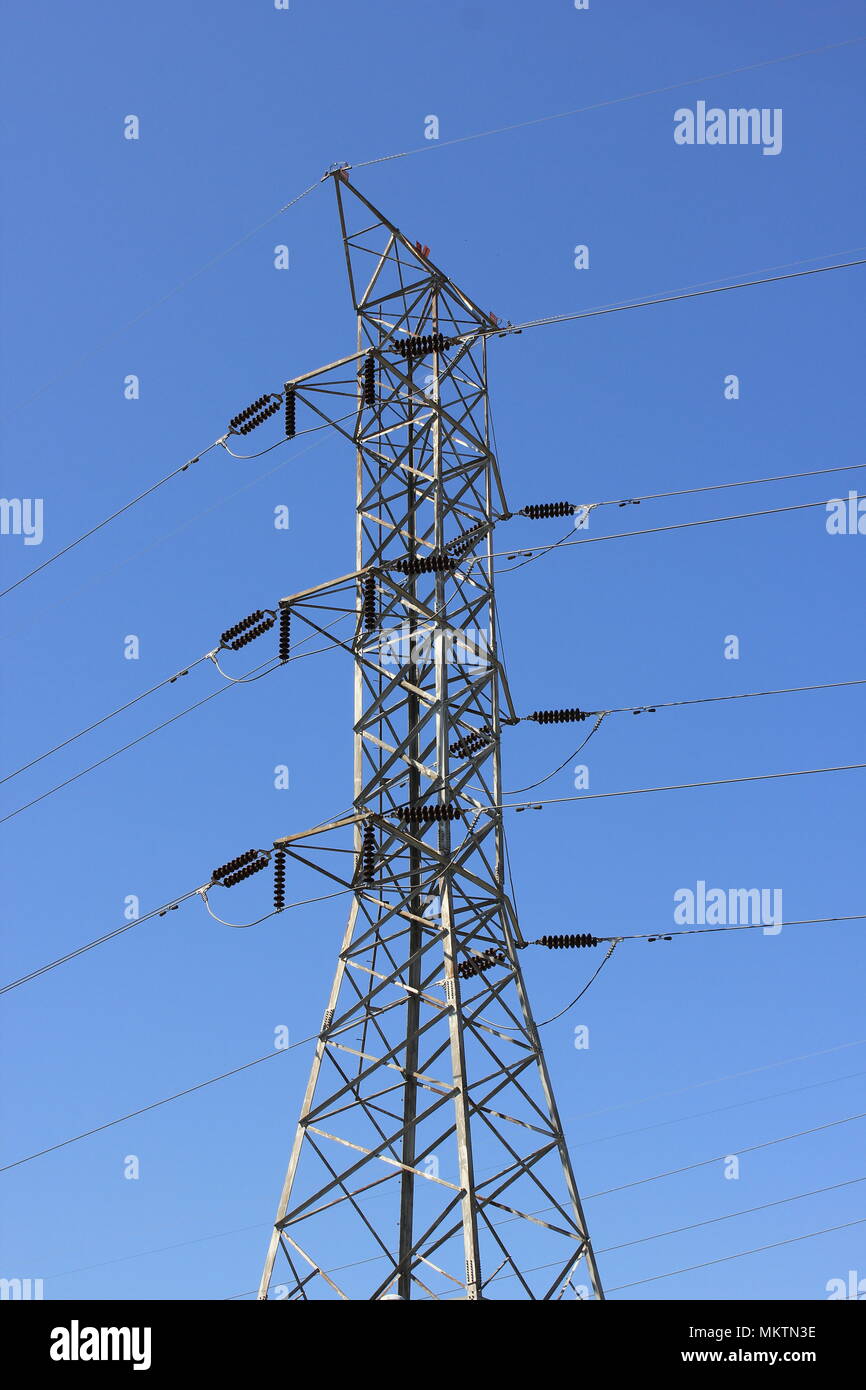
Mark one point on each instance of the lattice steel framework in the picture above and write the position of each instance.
(429, 1159)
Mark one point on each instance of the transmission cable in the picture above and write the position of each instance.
(242, 926)
(423, 149)
(741, 1254)
(169, 680)
(673, 704)
(287, 439)
(544, 1022)
(168, 535)
(52, 1148)
(617, 1288)
(99, 525)
(590, 939)
(504, 330)
(264, 669)
(148, 491)
(176, 290)
(272, 664)
(656, 530)
(717, 699)
(730, 1216)
(611, 101)
(734, 926)
(583, 510)
(720, 487)
(334, 1269)
(170, 906)
(720, 1109)
(162, 911)
(675, 787)
(515, 791)
(720, 1158)
(189, 1090)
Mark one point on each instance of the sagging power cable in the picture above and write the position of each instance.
(536, 551)
(577, 715)
(255, 673)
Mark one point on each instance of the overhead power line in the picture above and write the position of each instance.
(426, 149)
(162, 911)
(657, 530)
(643, 1240)
(675, 787)
(613, 945)
(671, 298)
(255, 673)
(105, 521)
(614, 941)
(170, 906)
(721, 487)
(313, 1037)
(85, 535)
(271, 665)
(583, 510)
(144, 1109)
(651, 708)
(718, 699)
(720, 1109)
(157, 303)
(720, 1080)
(740, 1255)
(258, 1226)
(169, 680)
(720, 1158)
(501, 332)
(611, 101)
(618, 1288)
(736, 926)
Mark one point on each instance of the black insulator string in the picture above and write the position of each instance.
(312, 429)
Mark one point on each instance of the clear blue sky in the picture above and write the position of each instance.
(691, 1043)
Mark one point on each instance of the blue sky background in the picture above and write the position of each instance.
(697, 1048)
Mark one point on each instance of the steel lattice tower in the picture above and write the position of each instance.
(429, 1158)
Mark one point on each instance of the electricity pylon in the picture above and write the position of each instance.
(429, 1159)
